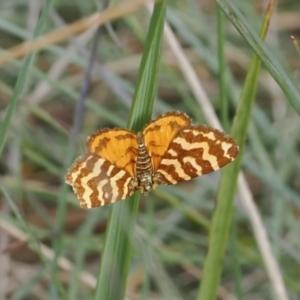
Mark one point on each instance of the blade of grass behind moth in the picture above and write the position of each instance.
(223, 213)
(22, 76)
(222, 71)
(266, 54)
(115, 258)
(235, 265)
(145, 90)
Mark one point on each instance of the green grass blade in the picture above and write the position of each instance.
(223, 213)
(223, 82)
(265, 53)
(22, 76)
(222, 70)
(145, 90)
(117, 250)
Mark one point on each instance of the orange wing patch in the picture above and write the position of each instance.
(159, 133)
(118, 146)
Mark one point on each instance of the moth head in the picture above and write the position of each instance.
(145, 183)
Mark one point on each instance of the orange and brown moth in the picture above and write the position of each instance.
(169, 150)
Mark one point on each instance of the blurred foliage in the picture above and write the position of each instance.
(171, 237)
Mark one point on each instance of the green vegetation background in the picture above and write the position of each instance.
(52, 249)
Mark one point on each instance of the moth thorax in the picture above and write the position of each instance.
(144, 171)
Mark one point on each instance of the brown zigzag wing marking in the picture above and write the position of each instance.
(97, 182)
(194, 151)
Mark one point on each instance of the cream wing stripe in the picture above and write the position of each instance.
(167, 176)
(225, 148)
(194, 164)
(126, 188)
(209, 135)
(94, 173)
(114, 187)
(111, 167)
(204, 145)
(100, 191)
(177, 166)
